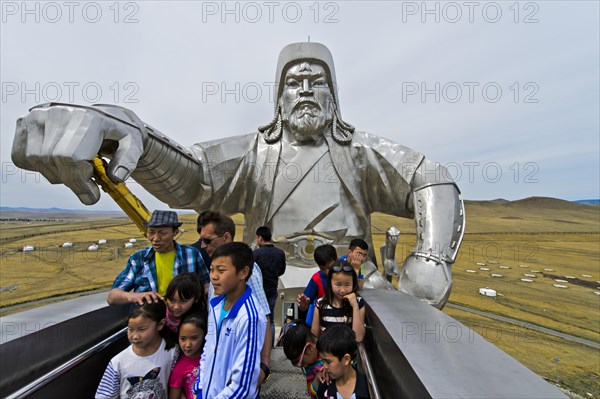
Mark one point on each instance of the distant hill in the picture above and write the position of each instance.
(541, 202)
(6, 209)
(9, 212)
(513, 211)
(544, 202)
(533, 214)
(588, 202)
(553, 202)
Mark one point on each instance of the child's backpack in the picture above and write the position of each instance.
(320, 293)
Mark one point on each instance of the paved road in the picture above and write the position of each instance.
(534, 327)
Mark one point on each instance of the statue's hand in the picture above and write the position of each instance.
(427, 280)
(390, 266)
(59, 141)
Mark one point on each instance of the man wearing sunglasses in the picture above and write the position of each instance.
(198, 244)
(215, 230)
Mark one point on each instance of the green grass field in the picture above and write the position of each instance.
(536, 233)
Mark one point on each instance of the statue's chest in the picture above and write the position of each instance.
(311, 195)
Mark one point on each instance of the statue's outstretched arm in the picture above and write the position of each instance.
(59, 140)
(440, 221)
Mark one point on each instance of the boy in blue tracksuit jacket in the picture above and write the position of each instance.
(230, 362)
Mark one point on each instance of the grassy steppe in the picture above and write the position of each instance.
(51, 270)
(537, 233)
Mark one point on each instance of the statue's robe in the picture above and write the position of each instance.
(372, 174)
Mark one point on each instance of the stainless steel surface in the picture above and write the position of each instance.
(419, 351)
(308, 174)
(18, 325)
(388, 252)
(369, 372)
(56, 350)
(49, 377)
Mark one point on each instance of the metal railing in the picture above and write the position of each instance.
(368, 369)
(62, 369)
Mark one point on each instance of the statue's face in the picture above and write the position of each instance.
(306, 101)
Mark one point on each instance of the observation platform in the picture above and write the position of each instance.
(412, 349)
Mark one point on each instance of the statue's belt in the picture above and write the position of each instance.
(301, 245)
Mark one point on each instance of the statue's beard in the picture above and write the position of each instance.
(307, 120)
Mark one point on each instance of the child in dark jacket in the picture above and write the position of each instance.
(300, 347)
(337, 348)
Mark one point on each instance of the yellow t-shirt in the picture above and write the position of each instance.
(164, 269)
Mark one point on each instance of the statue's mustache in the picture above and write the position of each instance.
(307, 106)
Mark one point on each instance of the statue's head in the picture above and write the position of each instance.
(305, 101)
(306, 95)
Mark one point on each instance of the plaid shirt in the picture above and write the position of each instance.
(140, 273)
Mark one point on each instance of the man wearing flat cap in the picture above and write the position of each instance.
(149, 271)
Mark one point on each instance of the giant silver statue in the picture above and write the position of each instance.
(308, 174)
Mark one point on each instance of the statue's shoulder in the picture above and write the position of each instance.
(383, 146)
(226, 148)
(241, 140)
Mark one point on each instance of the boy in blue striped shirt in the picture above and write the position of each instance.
(230, 362)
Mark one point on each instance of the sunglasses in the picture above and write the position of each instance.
(339, 268)
(299, 362)
(207, 241)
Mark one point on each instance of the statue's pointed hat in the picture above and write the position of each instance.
(306, 51)
(315, 53)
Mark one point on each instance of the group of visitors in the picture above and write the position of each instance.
(207, 332)
(325, 345)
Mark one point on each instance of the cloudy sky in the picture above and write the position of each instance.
(505, 94)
